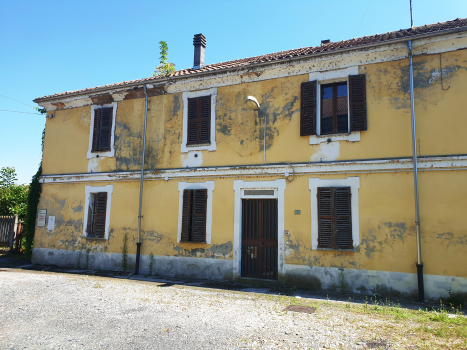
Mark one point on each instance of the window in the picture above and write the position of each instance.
(334, 213)
(334, 109)
(97, 212)
(195, 212)
(333, 104)
(102, 129)
(102, 133)
(199, 119)
(96, 215)
(194, 216)
(335, 221)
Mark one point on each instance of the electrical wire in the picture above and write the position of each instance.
(4, 110)
(19, 102)
(356, 35)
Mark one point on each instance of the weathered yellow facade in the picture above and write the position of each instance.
(384, 257)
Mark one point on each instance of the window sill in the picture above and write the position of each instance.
(96, 239)
(189, 242)
(199, 147)
(317, 139)
(338, 250)
(100, 154)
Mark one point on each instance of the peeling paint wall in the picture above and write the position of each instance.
(239, 131)
(386, 205)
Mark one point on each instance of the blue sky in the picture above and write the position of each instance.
(55, 46)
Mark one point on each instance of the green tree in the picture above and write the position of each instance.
(13, 197)
(164, 68)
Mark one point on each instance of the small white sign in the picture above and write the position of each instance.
(41, 217)
(51, 224)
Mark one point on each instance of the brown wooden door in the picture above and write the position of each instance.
(259, 238)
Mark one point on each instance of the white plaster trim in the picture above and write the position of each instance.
(239, 186)
(110, 153)
(333, 75)
(328, 77)
(334, 60)
(352, 137)
(315, 168)
(354, 184)
(94, 189)
(208, 185)
(193, 94)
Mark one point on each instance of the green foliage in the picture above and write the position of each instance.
(7, 177)
(164, 68)
(125, 252)
(35, 189)
(13, 198)
(34, 195)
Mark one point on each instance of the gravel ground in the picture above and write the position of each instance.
(46, 310)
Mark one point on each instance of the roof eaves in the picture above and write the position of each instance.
(159, 81)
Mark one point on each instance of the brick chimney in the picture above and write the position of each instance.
(199, 42)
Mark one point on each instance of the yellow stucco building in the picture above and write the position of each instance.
(296, 166)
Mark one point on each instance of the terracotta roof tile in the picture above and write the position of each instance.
(282, 55)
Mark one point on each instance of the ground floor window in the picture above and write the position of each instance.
(195, 212)
(334, 213)
(97, 212)
(334, 218)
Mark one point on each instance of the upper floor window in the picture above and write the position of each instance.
(102, 131)
(335, 103)
(334, 109)
(199, 120)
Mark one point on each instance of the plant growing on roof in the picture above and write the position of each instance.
(165, 68)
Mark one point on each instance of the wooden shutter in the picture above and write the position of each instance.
(199, 120)
(325, 217)
(100, 209)
(357, 99)
(186, 216)
(198, 232)
(308, 109)
(205, 119)
(105, 132)
(334, 218)
(192, 126)
(96, 128)
(343, 218)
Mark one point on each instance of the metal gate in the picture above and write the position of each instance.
(259, 238)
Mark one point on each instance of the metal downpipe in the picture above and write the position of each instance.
(138, 243)
(421, 289)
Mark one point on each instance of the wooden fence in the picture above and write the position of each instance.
(8, 230)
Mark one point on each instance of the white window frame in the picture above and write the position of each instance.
(193, 94)
(279, 187)
(354, 184)
(209, 186)
(89, 190)
(323, 78)
(110, 153)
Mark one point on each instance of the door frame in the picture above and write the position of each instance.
(279, 187)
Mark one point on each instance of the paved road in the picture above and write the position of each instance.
(46, 310)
